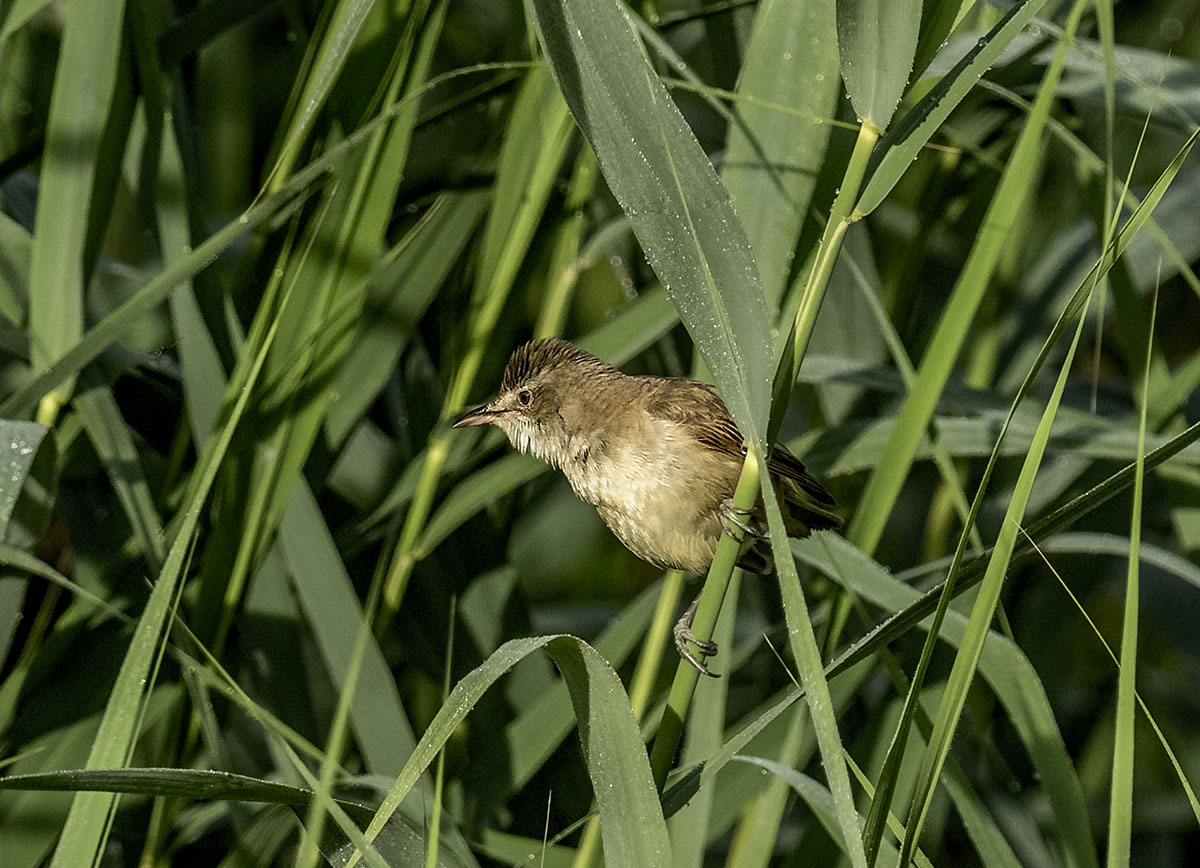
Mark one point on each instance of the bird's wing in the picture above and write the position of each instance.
(699, 408)
(783, 463)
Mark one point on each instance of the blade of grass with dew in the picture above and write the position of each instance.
(86, 827)
(808, 664)
(634, 830)
(917, 126)
(534, 735)
(1120, 811)
(772, 156)
(876, 43)
(938, 20)
(665, 183)
(1005, 668)
(535, 142)
(28, 483)
(83, 90)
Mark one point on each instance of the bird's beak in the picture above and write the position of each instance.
(479, 416)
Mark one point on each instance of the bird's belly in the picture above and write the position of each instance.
(660, 517)
(670, 536)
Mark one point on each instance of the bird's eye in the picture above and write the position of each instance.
(524, 396)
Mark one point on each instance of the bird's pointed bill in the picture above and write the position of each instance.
(484, 415)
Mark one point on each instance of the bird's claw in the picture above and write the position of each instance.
(735, 516)
(683, 635)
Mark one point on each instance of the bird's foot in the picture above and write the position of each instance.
(735, 516)
(683, 635)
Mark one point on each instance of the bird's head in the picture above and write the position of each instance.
(543, 381)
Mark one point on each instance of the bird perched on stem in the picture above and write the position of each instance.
(659, 458)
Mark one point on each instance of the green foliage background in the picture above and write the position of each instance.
(259, 604)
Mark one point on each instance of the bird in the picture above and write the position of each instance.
(658, 457)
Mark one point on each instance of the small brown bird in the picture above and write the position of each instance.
(659, 458)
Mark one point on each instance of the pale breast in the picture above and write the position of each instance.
(658, 491)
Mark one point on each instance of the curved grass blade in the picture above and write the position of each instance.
(634, 830)
(666, 185)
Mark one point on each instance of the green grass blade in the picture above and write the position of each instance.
(538, 731)
(1120, 811)
(965, 663)
(333, 49)
(908, 135)
(877, 40)
(634, 830)
(774, 155)
(86, 826)
(1003, 665)
(666, 185)
(27, 482)
(83, 89)
(808, 663)
(1016, 182)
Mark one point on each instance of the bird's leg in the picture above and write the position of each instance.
(735, 516)
(683, 635)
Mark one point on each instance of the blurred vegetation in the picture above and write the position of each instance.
(254, 257)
